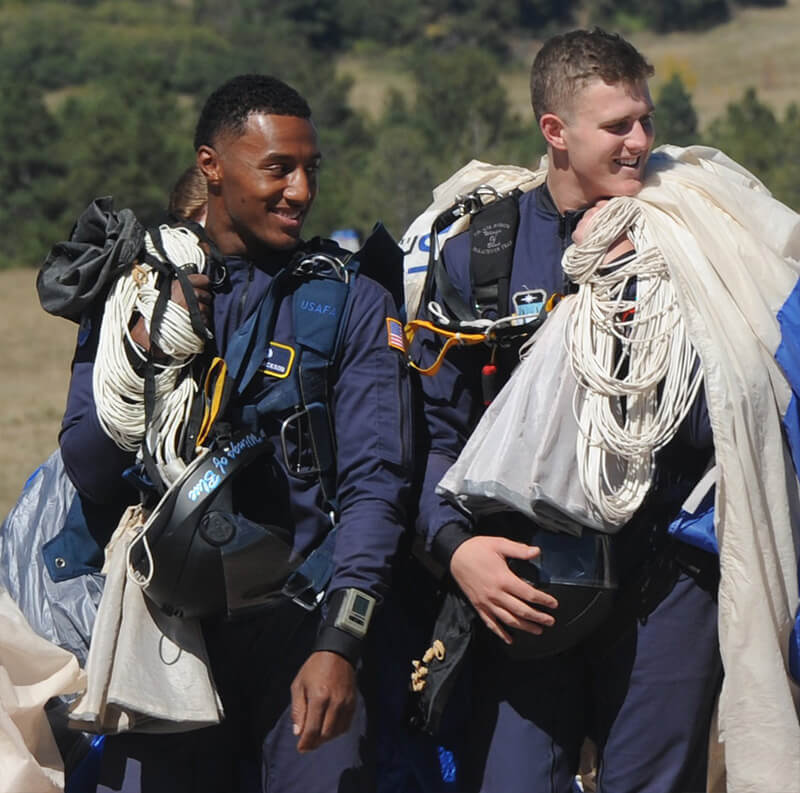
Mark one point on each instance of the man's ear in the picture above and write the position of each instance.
(552, 128)
(208, 162)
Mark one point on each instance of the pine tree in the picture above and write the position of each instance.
(676, 119)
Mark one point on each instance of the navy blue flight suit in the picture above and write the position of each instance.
(255, 659)
(643, 692)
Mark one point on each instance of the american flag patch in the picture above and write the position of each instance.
(394, 332)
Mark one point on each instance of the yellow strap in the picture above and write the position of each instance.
(453, 338)
(213, 390)
(552, 301)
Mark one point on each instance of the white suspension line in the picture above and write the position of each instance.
(118, 389)
(637, 372)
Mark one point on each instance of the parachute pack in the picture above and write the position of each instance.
(107, 247)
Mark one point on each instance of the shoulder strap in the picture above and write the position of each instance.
(493, 233)
(320, 307)
(492, 236)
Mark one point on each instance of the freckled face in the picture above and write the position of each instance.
(608, 136)
(266, 181)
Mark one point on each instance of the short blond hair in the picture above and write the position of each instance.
(566, 63)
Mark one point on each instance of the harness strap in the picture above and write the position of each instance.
(243, 355)
(492, 233)
(150, 387)
(320, 310)
(215, 397)
(306, 585)
(179, 271)
(452, 338)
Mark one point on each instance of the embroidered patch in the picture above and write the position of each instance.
(394, 332)
(318, 308)
(278, 360)
(529, 301)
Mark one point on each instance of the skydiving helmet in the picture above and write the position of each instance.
(578, 571)
(196, 557)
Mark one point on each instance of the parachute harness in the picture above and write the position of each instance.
(450, 318)
(636, 369)
(118, 389)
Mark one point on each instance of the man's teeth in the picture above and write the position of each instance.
(631, 162)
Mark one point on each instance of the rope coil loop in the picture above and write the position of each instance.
(118, 388)
(636, 369)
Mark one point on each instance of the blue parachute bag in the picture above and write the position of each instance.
(61, 611)
(694, 525)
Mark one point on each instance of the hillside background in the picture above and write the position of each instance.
(100, 98)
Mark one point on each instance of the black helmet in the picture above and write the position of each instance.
(196, 556)
(579, 572)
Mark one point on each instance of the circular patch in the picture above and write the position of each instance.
(217, 529)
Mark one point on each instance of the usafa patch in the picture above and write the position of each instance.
(278, 360)
(394, 332)
(529, 301)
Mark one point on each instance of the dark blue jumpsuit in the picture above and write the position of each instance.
(643, 692)
(255, 659)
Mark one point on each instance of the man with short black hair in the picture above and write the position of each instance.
(287, 671)
(645, 692)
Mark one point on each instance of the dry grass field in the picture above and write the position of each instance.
(34, 385)
(758, 47)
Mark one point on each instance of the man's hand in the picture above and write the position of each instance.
(480, 568)
(582, 229)
(201, 284)
(621, 244)
(323, 699)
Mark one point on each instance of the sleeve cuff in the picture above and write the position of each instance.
(445, 542)
(334, 640)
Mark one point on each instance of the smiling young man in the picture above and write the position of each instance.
(285, 671)
(644, 693)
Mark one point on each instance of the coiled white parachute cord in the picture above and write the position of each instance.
(118, 390)
(636, 369)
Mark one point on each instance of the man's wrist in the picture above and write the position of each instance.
(335, 640)
(348, 613)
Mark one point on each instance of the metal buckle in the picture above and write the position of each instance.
(471, 202)
(296, 467)
(467, 204)
(300, 591)
(321, 264)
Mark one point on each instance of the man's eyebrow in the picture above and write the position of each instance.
(277, 156)
(619, 120)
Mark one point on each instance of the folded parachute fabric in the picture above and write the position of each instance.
(147, 671)
(32, 670)
(732, 256)
(517, 456)
(733, 253)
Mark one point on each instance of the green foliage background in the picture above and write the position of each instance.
(100, 97)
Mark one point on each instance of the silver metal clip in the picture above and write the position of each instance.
(322, 263)
(295, 465)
